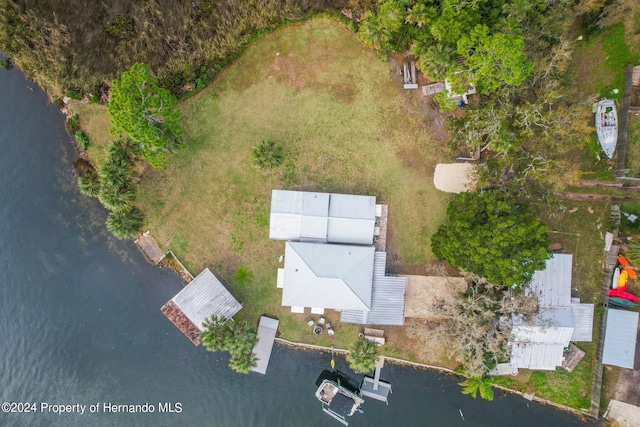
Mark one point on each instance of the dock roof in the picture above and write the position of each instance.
(267, 330)
(325, 217)
(204, 297)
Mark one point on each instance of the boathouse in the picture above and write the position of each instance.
(539, 342)
(201, 299)
(620, 338)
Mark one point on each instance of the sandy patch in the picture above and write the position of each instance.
(453, 177)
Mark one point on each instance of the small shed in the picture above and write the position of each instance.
(620, 338)
(204, 297)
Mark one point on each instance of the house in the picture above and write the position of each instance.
(330, 262)
(201, 299)
(539, 342)
(322, 217)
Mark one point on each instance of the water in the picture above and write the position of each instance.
(80, 319)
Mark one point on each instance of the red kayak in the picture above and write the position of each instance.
(623, 294)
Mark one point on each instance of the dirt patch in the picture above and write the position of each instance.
(425, 293)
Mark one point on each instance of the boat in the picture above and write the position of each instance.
(621, 302)
(623, 294)
(615, 279)
(607, 125)
(338, 401)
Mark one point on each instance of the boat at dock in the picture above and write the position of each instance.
(338, 401)
(607, 125)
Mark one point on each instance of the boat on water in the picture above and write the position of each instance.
(607, 125)
(338, 401)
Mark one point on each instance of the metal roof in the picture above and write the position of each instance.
(583, 322)
(552, 285)
(536, 356)
(387, 301)
(337, 218)
(204, 297)
(620, 338)
(328, 276)
(266, 334)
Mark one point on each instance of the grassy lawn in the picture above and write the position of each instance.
(345, 128)
(95, 121)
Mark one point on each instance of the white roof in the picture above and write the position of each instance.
(552, 285)
(536, 356)
(204, 297)
(338, 218)
(620, 338)
(583, 322)
(328, 276)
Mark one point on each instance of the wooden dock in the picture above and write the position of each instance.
(266, 335)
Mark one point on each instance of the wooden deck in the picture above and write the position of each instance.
(150, 248)
(182, 322)
(267, 330)
(381, 239)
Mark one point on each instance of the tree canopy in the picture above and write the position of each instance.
(238, 338)
(363, 355)
(492, 235)
(146, 112)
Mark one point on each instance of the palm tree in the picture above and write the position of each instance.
(125, 223)
(241, 338)
(214, 335)
(484, 385)
(435, 60)
(268, 155)
(243, 363)
(90, 184)
(363, 355)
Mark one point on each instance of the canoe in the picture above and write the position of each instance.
(616, 277)
(622, 260)
(623, 294)
(621, 302)
(631, 273)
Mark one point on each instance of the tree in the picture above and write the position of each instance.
(495, 59)
(435, 60)
(267, 155)
(363, 355)
(238, 338)
(484, 385)
(125, 223)
(146, 112)
(89, 184)
(492, 235)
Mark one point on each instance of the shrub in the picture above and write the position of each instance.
(125, 223)
(73, 124)
(268, 155)
(82, 139)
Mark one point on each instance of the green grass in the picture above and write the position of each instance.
(344, 126)
(618, 56)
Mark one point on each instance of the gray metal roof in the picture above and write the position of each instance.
(583, 322)
(536, 356)
(387, 302)
(204, 297)
(328, 276)
(266, 334)
(337, 218)
(552, 285)
(620, 338)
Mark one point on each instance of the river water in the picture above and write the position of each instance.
(80, 320)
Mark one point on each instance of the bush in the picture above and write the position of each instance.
(82, 139)
(90, 184)
(73, 124)
(268, 155)
(125, 223)
(363, 356)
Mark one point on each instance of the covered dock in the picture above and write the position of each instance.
(201, 299)
(267, 330)
(374, 387)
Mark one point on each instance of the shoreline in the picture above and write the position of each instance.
(397, 361)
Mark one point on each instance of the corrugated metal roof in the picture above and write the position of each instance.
(204, 297)
(536, 356)
(387, 302)
(583, 322)
(266, 334)
(328, 276)
(620, 338)
(338, 218)
(352, 206)
(552, 285)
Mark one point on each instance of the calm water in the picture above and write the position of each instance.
(80, 319)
